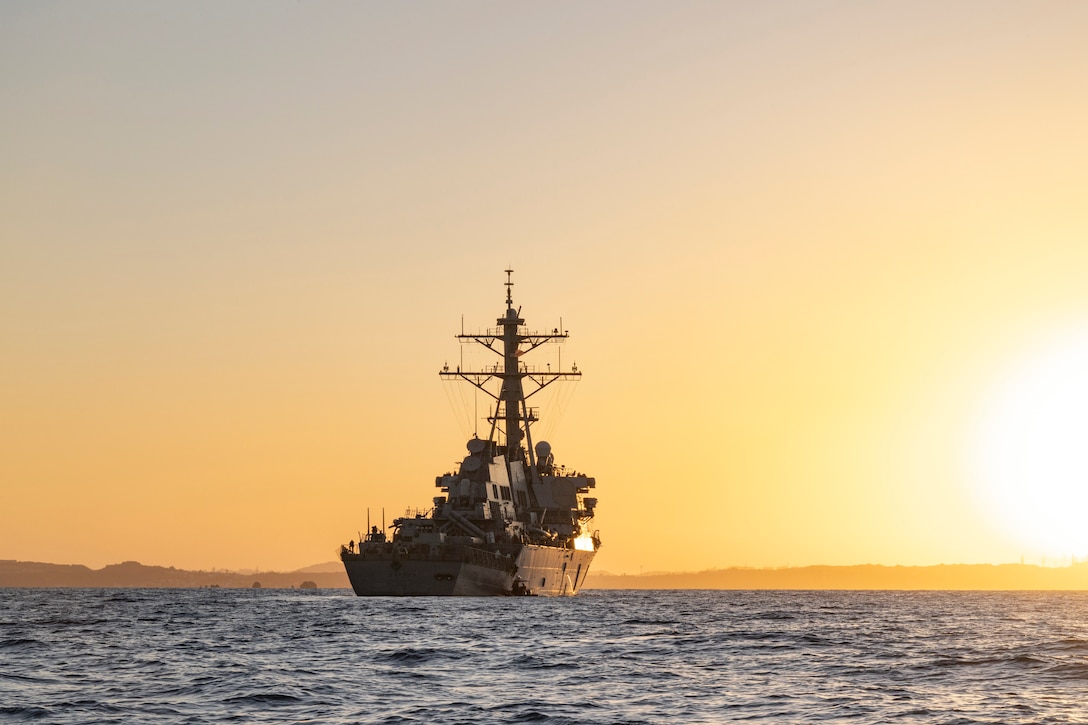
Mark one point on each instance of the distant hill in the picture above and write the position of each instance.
(991, 577)
(329, 567)
(134, 574)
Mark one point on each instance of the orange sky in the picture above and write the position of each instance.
(803, 251)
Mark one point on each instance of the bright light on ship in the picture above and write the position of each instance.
(584, 543)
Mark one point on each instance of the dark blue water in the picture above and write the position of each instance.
(195, 656)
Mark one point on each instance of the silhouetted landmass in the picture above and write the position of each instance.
(329, 567)
(134, 574)
(993, 577)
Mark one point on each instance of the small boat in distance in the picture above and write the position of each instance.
(511, 521)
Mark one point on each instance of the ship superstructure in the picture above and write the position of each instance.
(511, 521)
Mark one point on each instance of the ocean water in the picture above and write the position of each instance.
(276, 656)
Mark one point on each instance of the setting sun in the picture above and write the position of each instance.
(1029, 459)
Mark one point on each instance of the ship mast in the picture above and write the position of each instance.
(512, 394)
(511, 408)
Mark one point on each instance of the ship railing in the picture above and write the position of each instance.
(522, 330)
(410, 552)
(488, 559)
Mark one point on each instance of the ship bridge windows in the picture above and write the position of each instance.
(500, 492)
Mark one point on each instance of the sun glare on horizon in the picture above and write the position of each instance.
(1029, 457)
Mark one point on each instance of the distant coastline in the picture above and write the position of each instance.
(941, 577)
(965, 577)
(131, 574)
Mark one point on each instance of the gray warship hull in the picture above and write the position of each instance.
(470, 572)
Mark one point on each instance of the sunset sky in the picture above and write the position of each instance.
(824, 266)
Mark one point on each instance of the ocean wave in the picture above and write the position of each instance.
(262, 698)
(30, 712)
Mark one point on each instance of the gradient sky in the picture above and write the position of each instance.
(804, 251)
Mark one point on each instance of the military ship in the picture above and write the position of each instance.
(511, 520)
